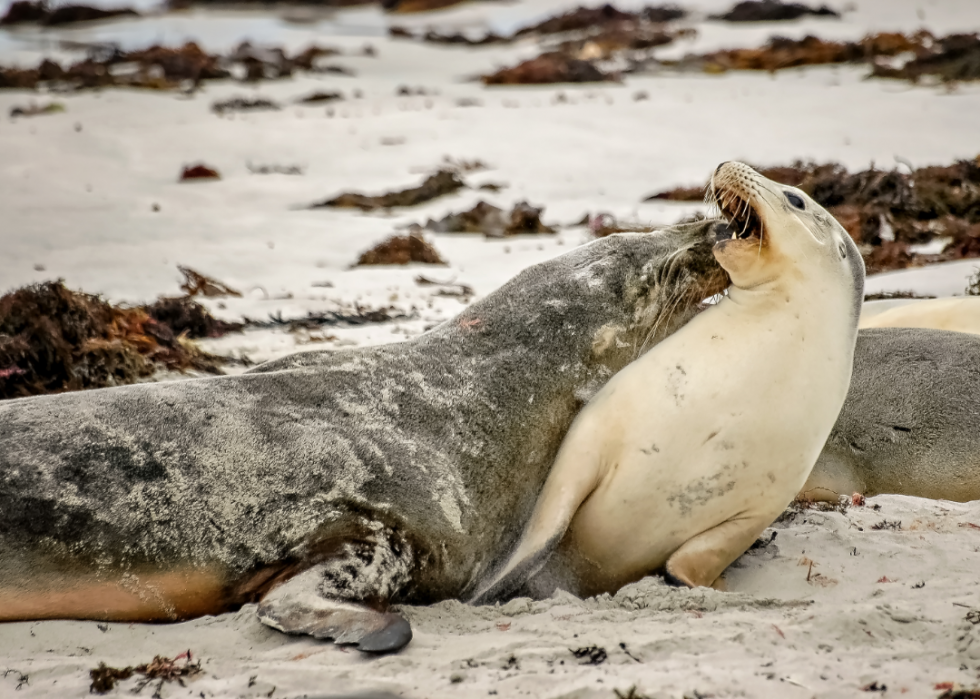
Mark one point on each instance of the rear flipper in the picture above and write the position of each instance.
(299, 606)
(344, 598)
(700, 561)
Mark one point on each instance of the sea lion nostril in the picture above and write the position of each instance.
(723, 231)
(718, 169)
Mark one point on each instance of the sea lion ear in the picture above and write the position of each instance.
(842, 249)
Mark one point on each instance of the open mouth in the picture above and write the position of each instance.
(743, 221)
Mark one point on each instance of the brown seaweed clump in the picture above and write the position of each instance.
(401, 250)
(185, 316)
(493, 221)
(606, 26)
(244, 104)
(164, 68)
(548, 68)
(441, 183)
(921, 55)
(949, 59)
(198, 172)
(772, 11)
(54, 340)
(27, 12)
(887, 212)
(780, 53)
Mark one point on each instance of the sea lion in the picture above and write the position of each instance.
(911, 421)
(961, 313)
(328, 485)
(689, 453)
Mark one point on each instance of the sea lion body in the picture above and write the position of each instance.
(961, 314)
(689, 453)
(911, 421)
(330, 484)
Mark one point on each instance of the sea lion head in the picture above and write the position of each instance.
(770, 225)
(680, 273)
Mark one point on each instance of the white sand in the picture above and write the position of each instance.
(76, 191)
(773, 634)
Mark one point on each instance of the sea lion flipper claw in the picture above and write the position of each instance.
(300, 607)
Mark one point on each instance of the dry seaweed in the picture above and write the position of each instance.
(772, 11)
(162, 68)
(37, 110)
(407, 6)
(888, 211)
(243, 104)
(198, 172)
(973, 284)
(27, 12)
(780, 52)
(53, 340)
(316, 321)
(197, 284)
(401, 250)
(185, 316)
(320, 97)
(889, 295)
(104, 678)
(493, 221)
(604, 23)
(441, 183)
(548, 68)
(949, 59)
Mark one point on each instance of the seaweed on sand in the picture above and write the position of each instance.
(53, 339)
(401, 250)
(772, 11)
(493, 221)
(439, 184)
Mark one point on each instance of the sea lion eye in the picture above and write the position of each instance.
(795, 201)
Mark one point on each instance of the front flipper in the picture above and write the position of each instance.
(299, 606)
(701, 560)
(574, 476)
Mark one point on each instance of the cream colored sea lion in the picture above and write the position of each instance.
(688, 454)
(328, 485)
(960, 314)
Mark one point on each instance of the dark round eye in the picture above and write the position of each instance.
(795, 201)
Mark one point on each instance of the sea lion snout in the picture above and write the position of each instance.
(723, 231)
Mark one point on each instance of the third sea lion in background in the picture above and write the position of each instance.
(911, 421)
(959, 313)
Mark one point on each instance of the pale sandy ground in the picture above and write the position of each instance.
(76, 191)
(774, 634)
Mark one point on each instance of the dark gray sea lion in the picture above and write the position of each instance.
(328, 485)
(911, 421)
